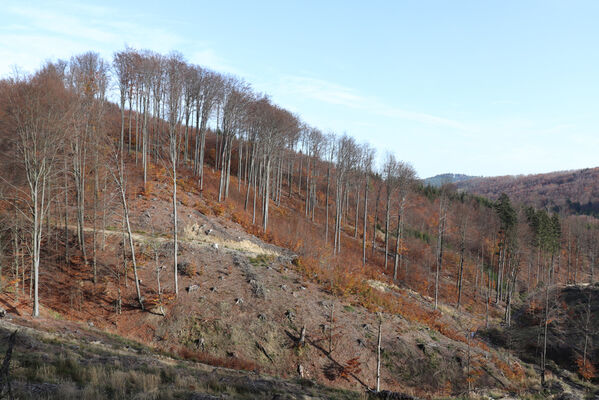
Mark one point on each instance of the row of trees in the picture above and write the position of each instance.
(60, 117)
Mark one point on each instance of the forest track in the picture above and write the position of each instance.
(193, 237)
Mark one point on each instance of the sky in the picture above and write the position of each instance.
(482, 88)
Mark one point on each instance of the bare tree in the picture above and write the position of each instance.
(390, 169)
(405, 178)
(210, 86)
(118, 174)
(88, 79)
(38, 112)
(174, 91)
(367, 162)
(235, 98)
(346, 160)
(463, 239)
(331, 148)
(443, 203)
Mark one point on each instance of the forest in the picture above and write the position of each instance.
(86, 141)
(565, 192)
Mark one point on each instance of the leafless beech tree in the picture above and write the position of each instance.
(405, 178)
(390, 175)
(331, 149)
(38, 111)
(174, 97)
(210, 86)
(120, 179)
(443, 204)
(345, 160)
(88, 76)
(235, 97)
(368, 154)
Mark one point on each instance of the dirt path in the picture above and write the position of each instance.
(194, 236)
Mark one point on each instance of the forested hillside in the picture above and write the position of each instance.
(571, 192)
(445, 179)
(200, 218)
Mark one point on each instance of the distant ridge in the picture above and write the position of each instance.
(442, 179)
(571, 192)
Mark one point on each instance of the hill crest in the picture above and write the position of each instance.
(572, 192)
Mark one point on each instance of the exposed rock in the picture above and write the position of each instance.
(290, 315)
(192, 288)
(158, 310)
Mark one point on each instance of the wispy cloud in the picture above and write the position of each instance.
(31, 35)
(209, 58)
(335, 94)
(46, 20)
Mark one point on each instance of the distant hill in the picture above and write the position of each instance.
(574, 192)
(439, 180)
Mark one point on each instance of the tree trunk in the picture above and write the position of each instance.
(175, 228)
(376, 218)
(326, 218)
(439, 249)
(387, 228)
(365, 218)
(266, 196)
(378, 359)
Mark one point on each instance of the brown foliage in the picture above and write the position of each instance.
(210, 359)
(586, 369)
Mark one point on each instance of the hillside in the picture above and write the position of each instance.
(260, 245)
(571, 328)
(244, 306)
(245, 303)
(56, 359)
(443, 179)
(574, 192)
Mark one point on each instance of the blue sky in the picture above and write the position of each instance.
(475, 87)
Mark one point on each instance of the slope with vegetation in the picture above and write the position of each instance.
(446, 179)
(571, 192)
(202, 220)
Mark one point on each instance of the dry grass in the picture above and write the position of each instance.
(48, 366)
(193, 234)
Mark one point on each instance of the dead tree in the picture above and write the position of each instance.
(378, 356)
(440, 237)
(391, 182)
(174, 92)
(120, 179)
(367, 161)
(405, 179)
